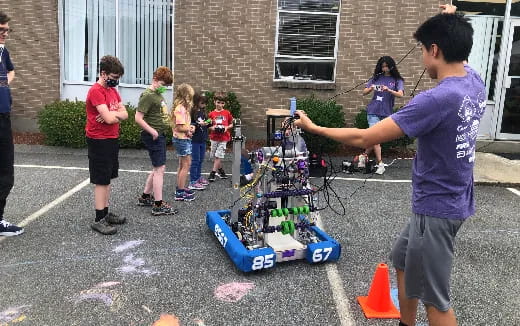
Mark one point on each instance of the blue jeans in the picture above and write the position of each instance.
(198, 150)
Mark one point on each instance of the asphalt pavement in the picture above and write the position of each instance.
(60, 272)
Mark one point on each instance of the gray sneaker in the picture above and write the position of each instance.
(164, 209)
(112, 218)
(103, 227)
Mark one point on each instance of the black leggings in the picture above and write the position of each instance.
(6, 160)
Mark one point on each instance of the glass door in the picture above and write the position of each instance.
(509, 117)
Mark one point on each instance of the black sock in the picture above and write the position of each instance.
(402, 324)
(145, 196)
(158, 203)
(105, 211)
(100, 213)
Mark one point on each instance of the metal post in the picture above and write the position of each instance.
(235, 171)
(501, 73)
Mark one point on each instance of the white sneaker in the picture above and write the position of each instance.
(380, 168)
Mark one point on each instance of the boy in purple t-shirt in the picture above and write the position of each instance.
(445, 120)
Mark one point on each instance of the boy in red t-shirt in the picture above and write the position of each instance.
(219, 135)
(104, 112)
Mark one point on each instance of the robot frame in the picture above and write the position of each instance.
(278, 222)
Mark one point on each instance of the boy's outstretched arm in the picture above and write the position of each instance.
(384, 131)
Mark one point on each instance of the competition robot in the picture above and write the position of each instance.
(278, 221)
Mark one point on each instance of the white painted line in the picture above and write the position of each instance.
(374, 180)
(52, 204)
(49, 167)
(57, 167)
(338, 291)
(515, 191)
(205, 173)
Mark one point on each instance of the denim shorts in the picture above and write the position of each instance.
(156, 148)
(182, 146)
(373, 119)
(424, 251)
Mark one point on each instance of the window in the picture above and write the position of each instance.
(138, 32)
(484, 54)
(306, 40)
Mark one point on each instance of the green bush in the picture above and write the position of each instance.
(130, 132)
(63, 123)
(232, 104)
(362, 123)
(323, 113)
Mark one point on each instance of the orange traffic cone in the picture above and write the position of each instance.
(379, 304)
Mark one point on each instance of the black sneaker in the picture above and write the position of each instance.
(103, 227)
(221, 174)
(243, 181)
(164, 209)
(7, 229)
(145, 201)
(212, 176)
(112, 218)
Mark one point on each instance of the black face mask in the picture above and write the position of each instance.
(112, 82)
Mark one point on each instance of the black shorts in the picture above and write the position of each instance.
(103, 160)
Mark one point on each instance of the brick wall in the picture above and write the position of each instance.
(34, 49)
(229, 45)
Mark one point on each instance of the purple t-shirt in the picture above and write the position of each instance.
(382, 103)
(445, 119)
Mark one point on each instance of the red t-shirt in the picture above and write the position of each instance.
(224, 118)
(98, 95)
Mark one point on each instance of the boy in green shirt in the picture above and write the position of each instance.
(152, 117)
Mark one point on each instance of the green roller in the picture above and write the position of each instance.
(291, 227)
(285, 227)
(274, 213)
(295, 210)
(306, 209)
(300, 209)
(279, 211)
(285, 211)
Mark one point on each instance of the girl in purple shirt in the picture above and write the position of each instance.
(386, 83)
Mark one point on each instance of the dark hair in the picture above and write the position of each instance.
(220, 96)
(111, 65)
(378, 72)
(4, 19)
(452, 33)
(197, 99)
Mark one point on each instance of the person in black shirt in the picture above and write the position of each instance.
(6, 135)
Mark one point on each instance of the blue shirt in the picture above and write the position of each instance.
(5, 93)
(445, 119)
(201, 132)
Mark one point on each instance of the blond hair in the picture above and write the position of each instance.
(183, 96)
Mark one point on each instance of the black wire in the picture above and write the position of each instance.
(417, 84)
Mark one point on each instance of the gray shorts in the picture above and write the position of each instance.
(424, 251)
(218, 149)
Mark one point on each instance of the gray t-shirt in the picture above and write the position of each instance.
(445, 119)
